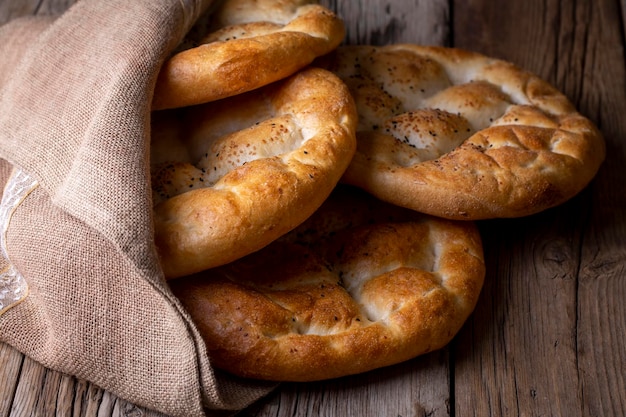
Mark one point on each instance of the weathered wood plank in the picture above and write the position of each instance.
(47, 404)
(522, 346)
(65, 396)
(601, 331)
(415, 388)
(10, 367)
(12, 9)
(548, 333)
(107, 405)
(378, 23)
(29, 388)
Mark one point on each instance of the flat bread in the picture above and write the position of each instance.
(460, 135)
(250, 43)
(230, 176)
(360, 285)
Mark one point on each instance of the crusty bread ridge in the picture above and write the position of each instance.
(251, 176)
(253, 43)
(360, 285)
(463, 136)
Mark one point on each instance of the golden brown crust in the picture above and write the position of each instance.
(360, 285)
(260, 42)
(462, 136)
(259, 164)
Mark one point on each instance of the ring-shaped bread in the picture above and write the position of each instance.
(230, 176)
(460, 135)
(251, 44)
(360, 285)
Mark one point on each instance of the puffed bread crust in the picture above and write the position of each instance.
(258, 165)
(360, 285)
(463, 136)
(252, 44)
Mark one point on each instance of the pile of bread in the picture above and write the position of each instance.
(314, 203)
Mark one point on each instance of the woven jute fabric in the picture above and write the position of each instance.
(81, 290)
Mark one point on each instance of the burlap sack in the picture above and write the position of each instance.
(80, 287)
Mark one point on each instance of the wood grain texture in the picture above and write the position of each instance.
(552, 310)
(394, 391)
(548, 336)
(10, 365)
(10, 9)
(601, 311)
(374, 22)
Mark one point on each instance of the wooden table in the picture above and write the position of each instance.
(548, 337)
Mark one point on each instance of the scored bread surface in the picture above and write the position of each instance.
(460, 135)
(229, 177)
(251, 44)
(360, 285)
